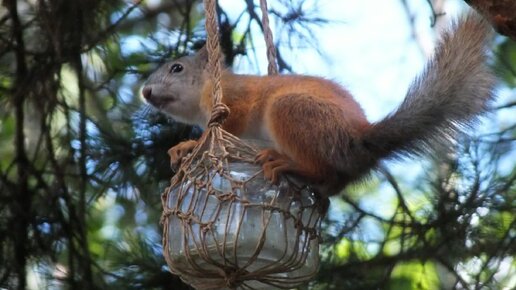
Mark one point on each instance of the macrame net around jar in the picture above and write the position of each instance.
(224, 225)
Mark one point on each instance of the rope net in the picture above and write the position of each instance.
(224, 225)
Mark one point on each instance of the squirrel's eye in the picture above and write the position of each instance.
(175, 68)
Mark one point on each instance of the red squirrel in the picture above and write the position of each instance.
(318, 130)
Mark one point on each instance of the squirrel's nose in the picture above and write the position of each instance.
(146, 92)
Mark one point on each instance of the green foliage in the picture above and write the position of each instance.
(506, 60)
(7, 128)
(414, 275)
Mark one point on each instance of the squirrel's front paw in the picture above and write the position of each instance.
(274, 164)
(179, 151)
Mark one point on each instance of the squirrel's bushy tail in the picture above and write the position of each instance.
(455, 87)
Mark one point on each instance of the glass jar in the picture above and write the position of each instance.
(232, 227)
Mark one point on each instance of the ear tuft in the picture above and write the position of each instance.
(202, 55)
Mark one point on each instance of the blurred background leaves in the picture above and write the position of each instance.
(83, 161)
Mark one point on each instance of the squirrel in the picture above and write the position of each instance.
(317, 129)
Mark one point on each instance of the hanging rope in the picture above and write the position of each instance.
(220, 111)
(269, 40)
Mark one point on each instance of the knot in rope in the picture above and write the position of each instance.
(229, 196)
(219, 113)
(186, 217)
(164, 216)
(206, 227)
(231, 279)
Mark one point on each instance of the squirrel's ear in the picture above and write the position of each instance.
(202, 56)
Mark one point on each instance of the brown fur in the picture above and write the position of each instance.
(319, 131)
